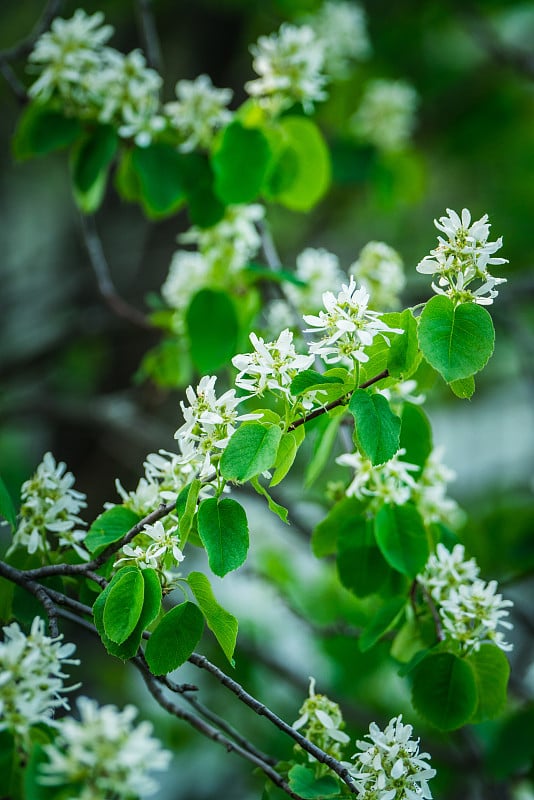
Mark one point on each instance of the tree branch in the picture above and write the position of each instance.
(149, 34)
(106, 287)
(25, 46)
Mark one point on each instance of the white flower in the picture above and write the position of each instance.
(462, 258)
(31, 677)
(386, 115)
(390, 766)
(156, 547)
(141, 122)
(446, 570)
(209, 422)
(431, 495)
(319, 270)
(104, 754)
(403, 392)
(390, 482)
(348, 324)
(231, 243)
(49, 512)
(379, 269)
(199, 112)
(341, 27)
(279, 315)
(272, 365)
(322, 721)
(289, 64)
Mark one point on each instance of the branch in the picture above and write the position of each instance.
(106, 287)
(25, 46)
(262, 711)
(11, 79)
(149, 34)
(341, 401)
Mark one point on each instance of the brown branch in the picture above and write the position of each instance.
(149, 34)
(106, 287)
(263, 711)
(16, 86)
(341, 401)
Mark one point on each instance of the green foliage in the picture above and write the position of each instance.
(220, 622)
(444, 690)
(276, 508)
(386, 618)
(42, 130)
(323, 445)
(239, 145)
(415, 434)
(204, 207)
(251, 450)
(361, 566)
(212, 327)
(404, 355)
(168, 364)
(7, 509)
(303, 782)
(186, 506)
(174, 639)
(109, 527)
(456, 340)
(286, 454)
(377, 428)
(123, 604)
(492, 670)
(309, 380)
(223, 530)
(402, 538)
(90, 160)
(158, 169)
(511, 750)
(464, 388)
(346, 514)
(302, 173)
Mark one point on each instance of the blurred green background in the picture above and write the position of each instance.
(66, 363)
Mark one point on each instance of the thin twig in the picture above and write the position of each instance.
(36, 589)
(16, 86)
(263, 711)
(341, 401)
(105, 284)
(149, 34)
(25, 46)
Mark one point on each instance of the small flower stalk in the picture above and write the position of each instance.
(461, 260)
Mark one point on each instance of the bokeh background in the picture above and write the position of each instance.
(67, 363)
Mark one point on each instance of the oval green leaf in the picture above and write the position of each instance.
(492, 671)
(251, 450)
(385, 619)
(223, 530)
(444, 690)
(401, 536)
(220, 622)
(377, 428)
(415, 434)
(123, 605)
(158, 168)
(174, 639)
(42, 130)
(212, 327)
(456, 340)
(237, 146)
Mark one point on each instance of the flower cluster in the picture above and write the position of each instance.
(349, 326)
(49, 517)
(390, 766)
(155, 548)
(31, 677)
(272, 365)
(103, 754)
(319, 271)
(396, 482)
(95, 81)
(199, 111)
(341, 27)
(386, 115)
(379, 269)
(471, 610)
(290, 64)
(463, 258)
(322, 722)
(209, 421)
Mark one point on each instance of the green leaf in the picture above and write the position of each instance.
(161, 187)
(404, 355)
(174, 639)
(123, 605)
(222, 624)
(512, 750)
(401, 536)
(212, 327)
(385, 619)
(168, 364)
(186, 506)
(203, 206)
(464, 388)
(309, 380)
(238, 146)
(377, 428)
(444, 690)
(361, 566)
(251, 450)
(7, 509)
(302, 173)
(492, 671)
(223, 530)
(90, 160)
(149, 612)
(456, 340)
(415, 435)
(286, 454)
(126, 179)
(109, 527)
(41, 130)
(346, 514)
(276, 508)
(304, 783)
(323, 447)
